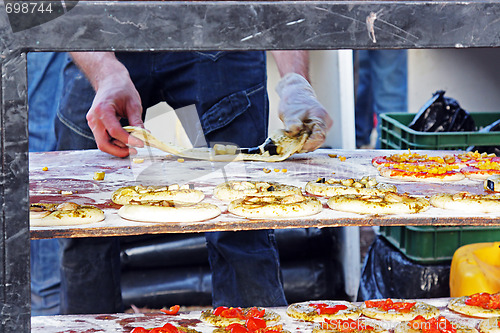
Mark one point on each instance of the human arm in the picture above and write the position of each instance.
(116, 97)
(299, 107)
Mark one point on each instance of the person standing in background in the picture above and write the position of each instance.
(44, 91)
(382, 87)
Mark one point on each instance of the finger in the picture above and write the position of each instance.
(108, 145)
(293, 126)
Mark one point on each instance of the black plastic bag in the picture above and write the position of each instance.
(442, 114)
(388, 273)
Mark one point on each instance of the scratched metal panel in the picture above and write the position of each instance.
(222, 25)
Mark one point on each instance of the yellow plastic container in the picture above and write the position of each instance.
(475, 268)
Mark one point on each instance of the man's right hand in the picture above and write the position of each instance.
(116, 98)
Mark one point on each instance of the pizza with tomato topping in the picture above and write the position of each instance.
(252, 325)
(491, 325)
(360, 325)
(414, 158)
(432, 325)
(167, 328)
(224, 316)
(397, 309)
(319, 310)
(422, 172)
(481, 305)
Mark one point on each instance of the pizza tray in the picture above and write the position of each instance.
(69, 176)
(127, 322)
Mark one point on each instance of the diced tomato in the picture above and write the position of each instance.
(140, 330)
(172, 311)
(233, 313)
(484, 300)
(255, 313)
(219, 310)
(331, 309)
(445, 326)
(237, 328)
(254, 324)
(433, 325)
(159, 330)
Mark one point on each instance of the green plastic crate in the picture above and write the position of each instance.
(428, 245)
(395, 134)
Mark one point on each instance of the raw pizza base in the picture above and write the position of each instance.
(405, 328)
(420, 308)
(304, 311)
(458, 305)
(165, 212)
(464, 201)
(124, 195)
(390, 203)
(65, 214)
(360, 323)
(207, 316)
(275, 207)
(286, 147)
(232, 190)
(333, 187)
(489, 325)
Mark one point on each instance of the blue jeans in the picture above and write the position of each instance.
(44, 91)
(382, 87)
(229, 92)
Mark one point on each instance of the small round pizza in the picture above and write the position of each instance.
(397, 309)
(252, 325)
(164, 211)
(388, 203)
(414, 158)
(422, 172)
(432, 325)
(224, 316)
(295, 205)
(481, 305)
(168, 327)
(174, 192)
(490, 325)
(481, 170)
(360, 325)
(331, 187)
(64, 214)
(464, 201)
(319, 310)
(232, 190)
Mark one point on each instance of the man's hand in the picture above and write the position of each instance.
(115, 98)
(299, 109)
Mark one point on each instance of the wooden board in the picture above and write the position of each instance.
(127, 322)
(69, 177)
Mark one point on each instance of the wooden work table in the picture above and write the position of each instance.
(69, 177)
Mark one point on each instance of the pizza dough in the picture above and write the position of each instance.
(232, 190)
(312, 310)
(286, 147)
(224, 316)
(333, 187)
(390, 313)
(458, 305)
(173, 192)
(291, 206)
(389, 203)
(491, 325)
(64, 214)
(363, 325)
(164, 211)
(438, 325)
(464, 201)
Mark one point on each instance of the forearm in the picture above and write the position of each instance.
(295, 61)
(99, 66)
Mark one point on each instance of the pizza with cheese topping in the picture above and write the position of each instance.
(481, 305)
(331, 187)
(232, 190)
(432, 325)
(173, 192)
(224, 316)
(464, 201)
(317, 311)
(388, 203)
(63, 214)
(397, 309)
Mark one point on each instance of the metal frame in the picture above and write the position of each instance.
(199, 25)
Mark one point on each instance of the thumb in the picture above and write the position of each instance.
(293, 126)
(134, 114)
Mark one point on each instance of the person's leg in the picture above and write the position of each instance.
(231, 99)
(90, 267)
(364, 100)
(389, 75)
